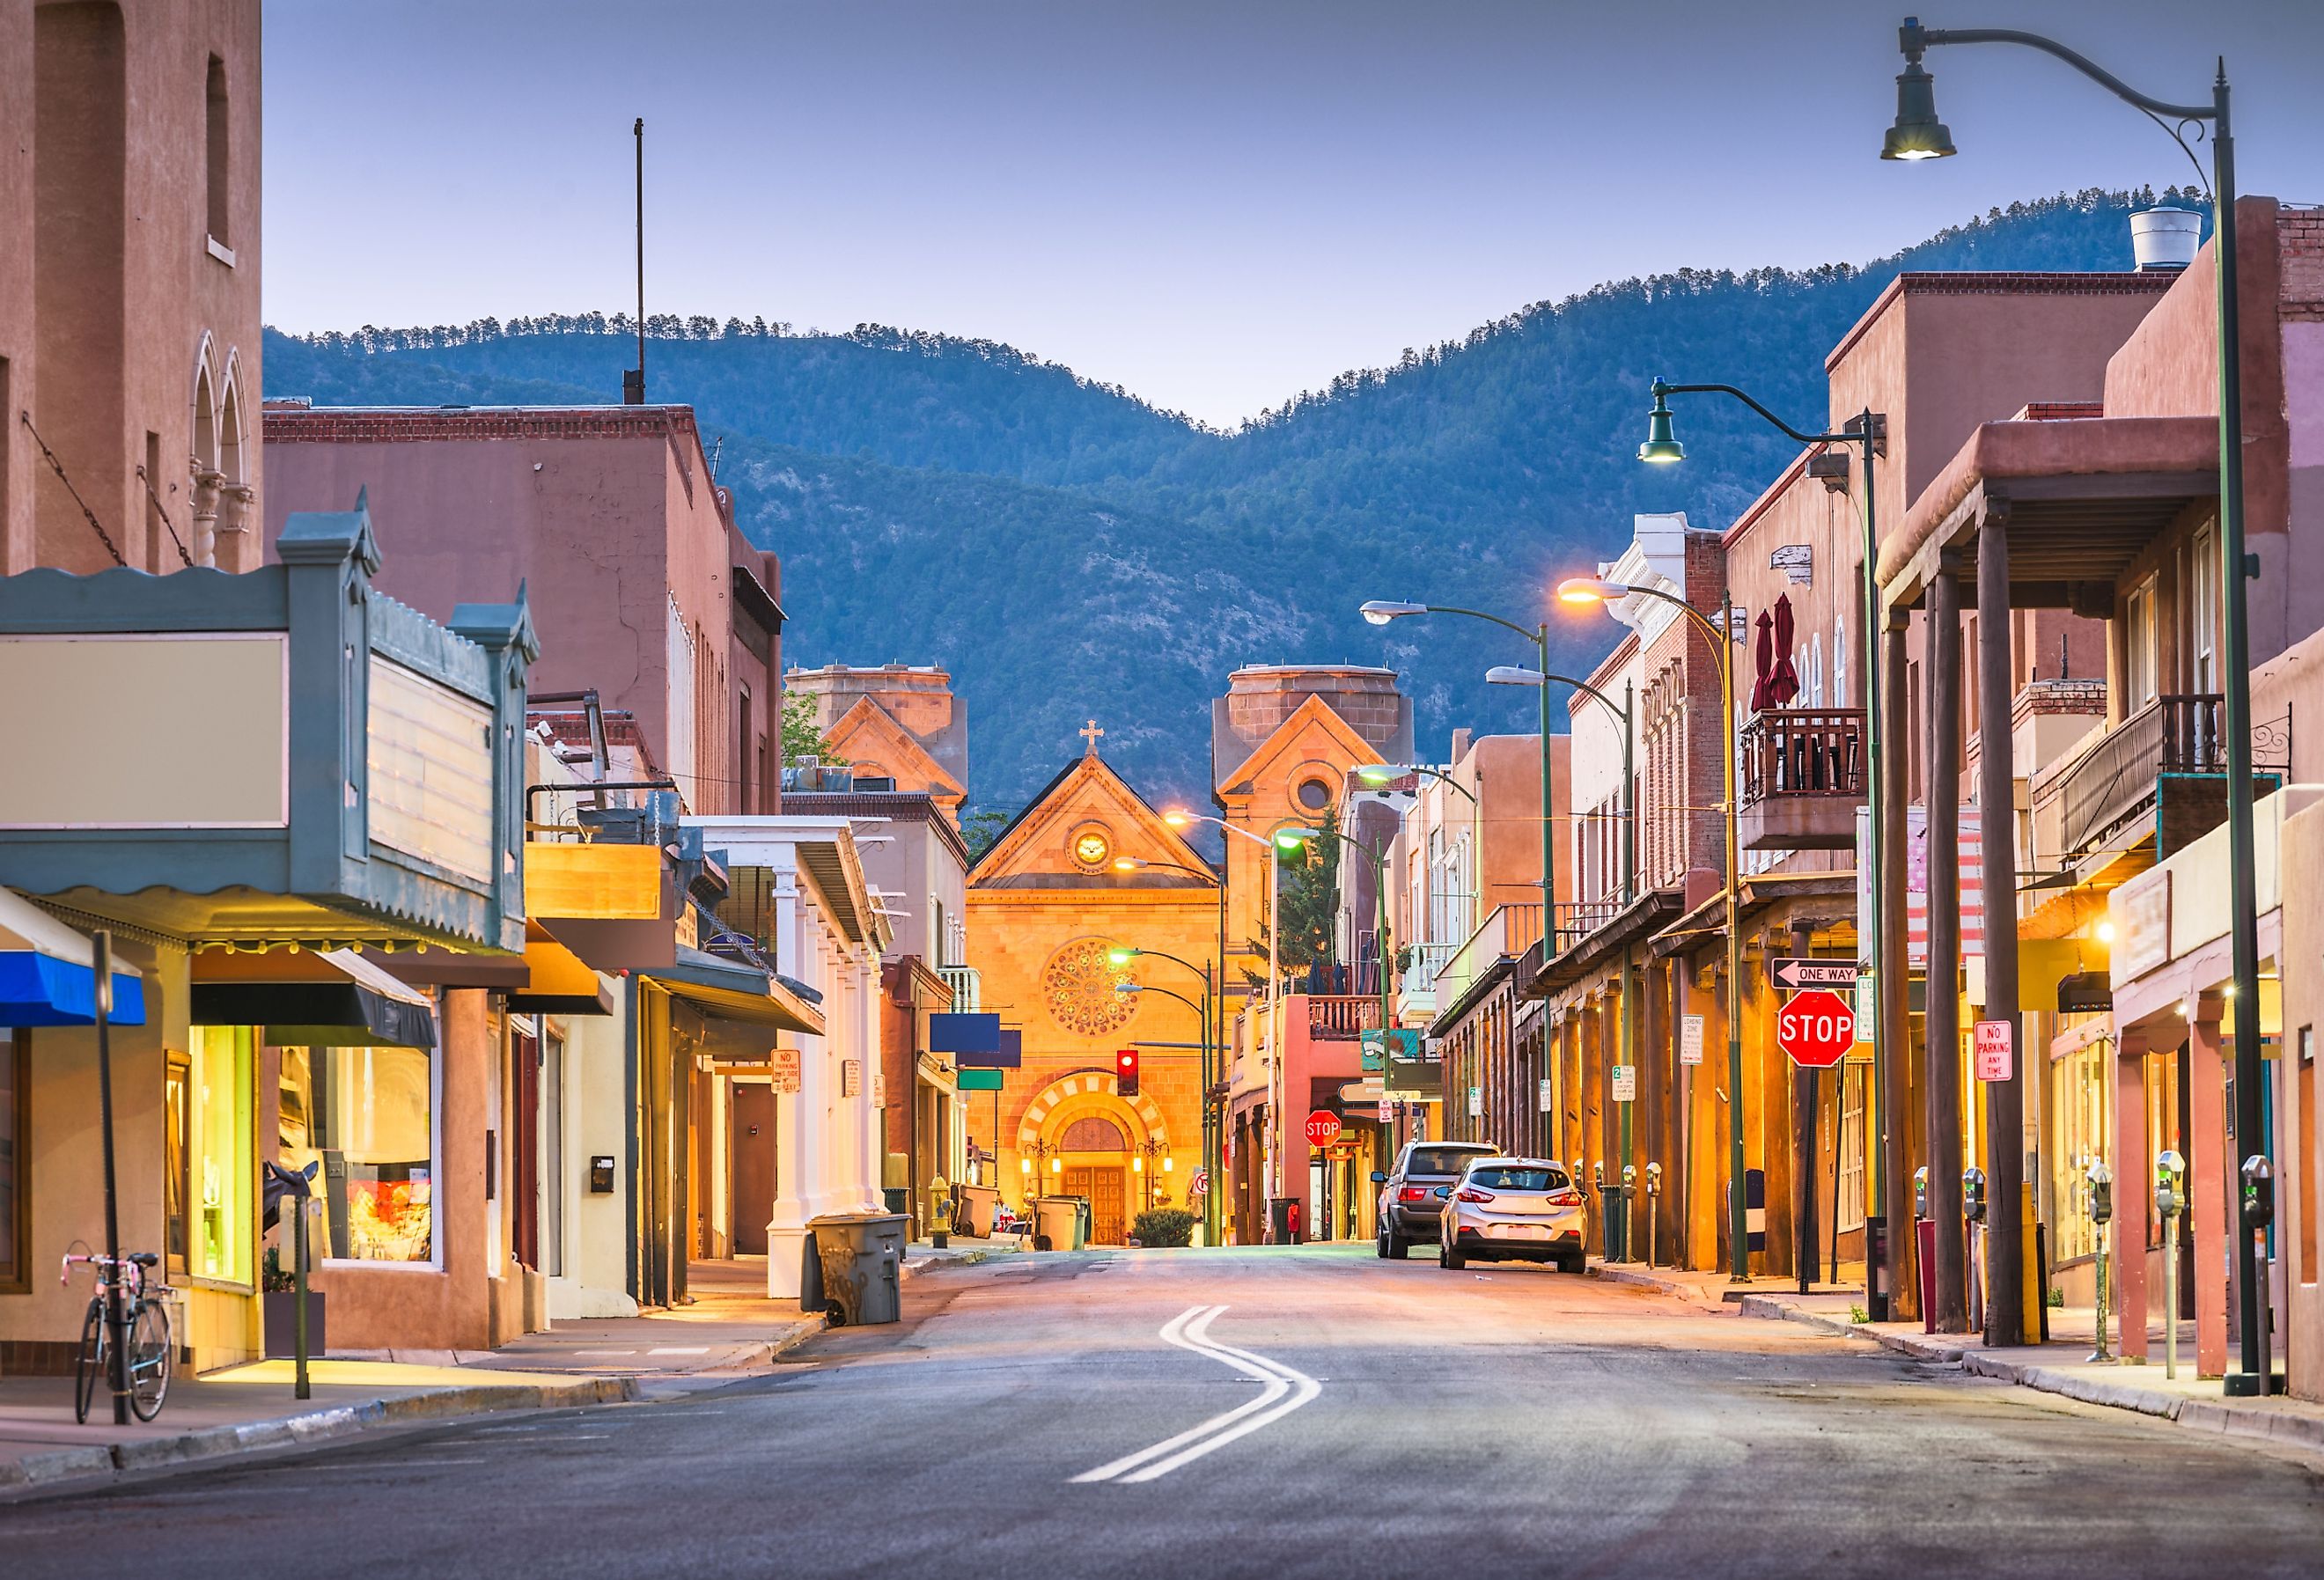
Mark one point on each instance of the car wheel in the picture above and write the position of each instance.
(1399, 1247)
(1452, 1258)
(1572, 1264)
(1379, 1243)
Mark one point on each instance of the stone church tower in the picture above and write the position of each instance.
(897, 721)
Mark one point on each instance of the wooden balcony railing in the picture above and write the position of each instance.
(1342, 1014)
(1802, 752)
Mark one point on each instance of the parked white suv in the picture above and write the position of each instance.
(1512, 1209)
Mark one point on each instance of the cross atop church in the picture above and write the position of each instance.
(1090, 733)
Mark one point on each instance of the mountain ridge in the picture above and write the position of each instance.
(1069, 549)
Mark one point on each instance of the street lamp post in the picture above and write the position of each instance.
(1509, 675)
(1577, 590)
(1214, 1045)
(1152, 1147)
(1379, 612)
(1178, 817)
(1918, 134)
(1868, 434)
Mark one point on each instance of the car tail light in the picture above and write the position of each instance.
(1474, 1198)
(1565, 1199)
(1411, 1193)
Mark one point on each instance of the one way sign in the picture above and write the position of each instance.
(1801, 974)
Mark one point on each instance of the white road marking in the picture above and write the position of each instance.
(1283, 1391)
(679, 1349)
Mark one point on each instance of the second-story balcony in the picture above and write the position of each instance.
(1800, 778)
(967, 988)
(2168, 757)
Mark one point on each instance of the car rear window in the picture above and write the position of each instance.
(1503, 1178)
(1439, 1159)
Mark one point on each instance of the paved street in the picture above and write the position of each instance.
(1406, 1418)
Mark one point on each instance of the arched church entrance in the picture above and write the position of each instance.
(1095, 1141)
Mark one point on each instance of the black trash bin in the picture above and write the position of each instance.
(862, 1255)
(1284, 1225)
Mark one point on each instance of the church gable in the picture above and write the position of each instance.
(1075, 831)
(868, 736)
(1314, 733)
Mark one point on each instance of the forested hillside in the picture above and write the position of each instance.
(1068, 550)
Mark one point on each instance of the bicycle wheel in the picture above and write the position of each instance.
(90, 1365)
(148, 1358)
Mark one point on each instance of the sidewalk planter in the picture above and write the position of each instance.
(282, 1317)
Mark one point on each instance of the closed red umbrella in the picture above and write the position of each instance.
(1783, 680)
(1763, 660)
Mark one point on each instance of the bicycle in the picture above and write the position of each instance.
(148, 1324)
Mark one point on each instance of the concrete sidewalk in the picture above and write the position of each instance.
(729, 1327)
(2060, 1366)
(253, 1409)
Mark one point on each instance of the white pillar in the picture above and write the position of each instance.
(867, 1122)
(799, 1150)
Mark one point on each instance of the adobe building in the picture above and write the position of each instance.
(899, 721)
(129, 306)
(642, 587)
(1048, 905)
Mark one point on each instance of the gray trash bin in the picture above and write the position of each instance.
(1058, 1224)
(978, 1203)
(863, 1261)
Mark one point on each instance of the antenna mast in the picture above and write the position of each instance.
(633, 381)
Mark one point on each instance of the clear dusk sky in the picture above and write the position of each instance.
(1216, 205)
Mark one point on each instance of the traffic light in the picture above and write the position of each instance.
(1125, 1072)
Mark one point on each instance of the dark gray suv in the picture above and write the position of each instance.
(1408, 1202)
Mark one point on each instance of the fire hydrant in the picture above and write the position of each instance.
(940, 1213)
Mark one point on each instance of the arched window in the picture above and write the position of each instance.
(1096, 1134)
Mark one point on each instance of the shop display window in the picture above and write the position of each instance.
(177, 1093)
(221, 1166)
(368, 1114)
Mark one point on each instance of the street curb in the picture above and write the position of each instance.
(2269, 1423)
(63, 1468)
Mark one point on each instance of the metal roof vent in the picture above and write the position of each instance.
(2164, 238)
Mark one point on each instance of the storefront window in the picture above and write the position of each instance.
(14, 1159)
(368, 1114)
(177, 1083)
(2078, 1099)
(221, 1163)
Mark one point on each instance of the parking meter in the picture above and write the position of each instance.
(2098, 1181)
(2170, 1185)
(2259, 1212)
(1973, 1195)
(2259, 1191)
(2170, 1201)
(2099, 1178)
(1597, 1175)
(1921, 1191)
(1654, 1179)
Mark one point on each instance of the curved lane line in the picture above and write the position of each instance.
(1176, 1331)
(1285, 1390)
(1303, 1388)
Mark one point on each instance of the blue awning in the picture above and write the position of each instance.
(48, 976)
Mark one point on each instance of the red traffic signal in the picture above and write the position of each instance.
(1125, 1072)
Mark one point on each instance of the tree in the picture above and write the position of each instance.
(1310, 905)
(981, 828)
(803, 741)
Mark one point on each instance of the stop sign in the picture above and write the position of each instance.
(1816, 1029)
(1323, 1128)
